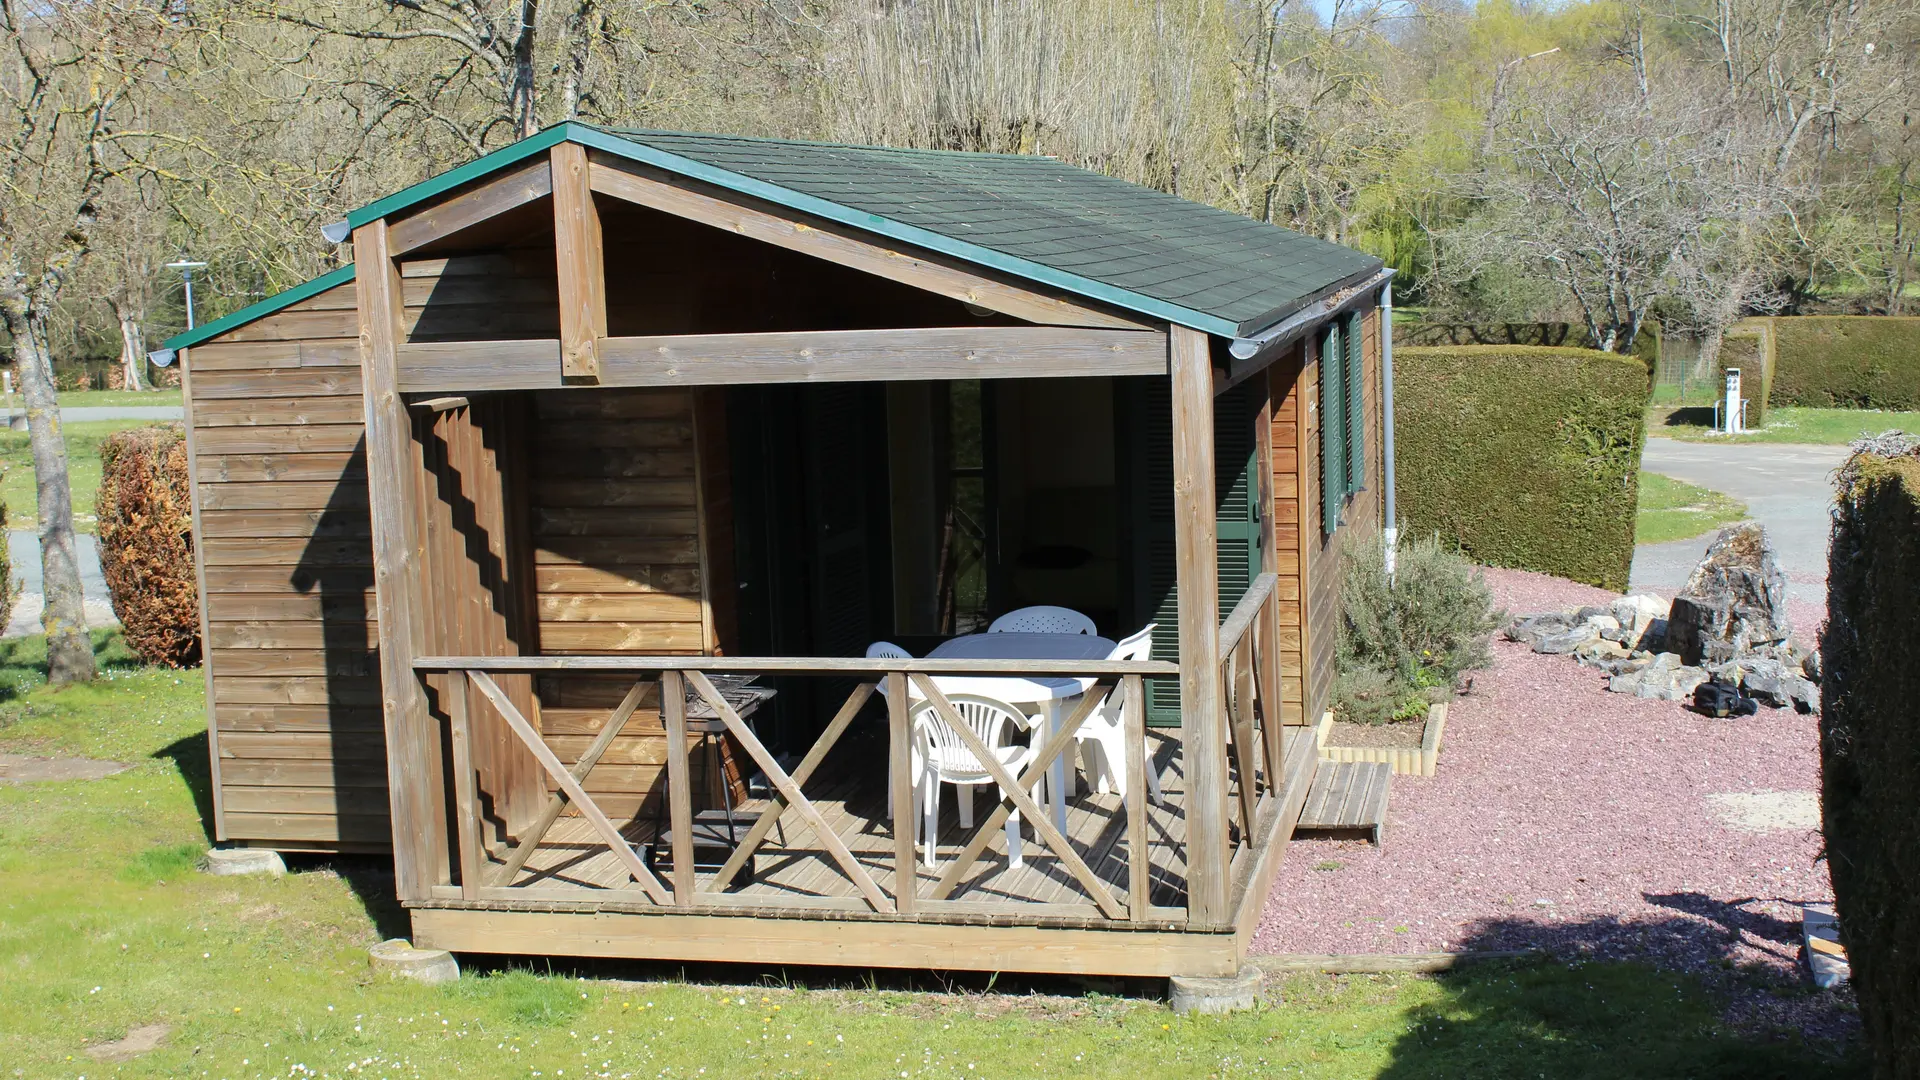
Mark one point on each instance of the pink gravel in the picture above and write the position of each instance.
(1570, 819)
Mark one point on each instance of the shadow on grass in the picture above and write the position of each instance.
(1690, 416)
(189, 757)
(1593, 1004)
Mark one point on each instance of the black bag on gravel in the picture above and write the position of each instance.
(1720, 698)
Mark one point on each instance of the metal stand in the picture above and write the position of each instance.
(717, 833)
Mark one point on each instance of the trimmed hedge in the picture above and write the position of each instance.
(1847, 362)
(145, 513)
(1559, 335)
(1870, 746)
(1528, 457)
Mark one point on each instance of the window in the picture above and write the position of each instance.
(1343, 424)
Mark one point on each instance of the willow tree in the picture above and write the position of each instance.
(74, 66)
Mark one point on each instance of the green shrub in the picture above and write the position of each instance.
(1413, 332)
(9, 585)
(146, 543)
(1847, 362)
(1524, 457)
(1747, 350)
(1870, 744)
(1404, 643)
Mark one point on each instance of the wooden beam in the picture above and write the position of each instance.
(780, 227)
(1202, 719)
(728, 938)
(797, 665)
(491, 197)
(473, 366)
(413, 750)
(582, 263)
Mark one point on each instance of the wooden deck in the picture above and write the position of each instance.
(1347, 797)
(574, 870)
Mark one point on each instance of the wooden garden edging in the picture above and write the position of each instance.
(1406, 760)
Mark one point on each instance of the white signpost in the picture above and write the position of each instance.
(1733, 411)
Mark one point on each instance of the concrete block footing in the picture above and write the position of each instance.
(398, 959)
(227, 862)
(1215, 993)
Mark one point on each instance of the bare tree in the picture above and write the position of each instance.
(74, 67)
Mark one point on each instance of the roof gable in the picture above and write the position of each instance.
(1030, 217)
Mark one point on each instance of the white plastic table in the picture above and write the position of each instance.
(1048, 692)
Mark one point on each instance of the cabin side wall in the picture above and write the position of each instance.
(1291, 533)
(1323, 550)
(276, 427)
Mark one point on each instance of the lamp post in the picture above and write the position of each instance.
(164, 357)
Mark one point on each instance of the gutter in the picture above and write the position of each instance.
(1284, 332)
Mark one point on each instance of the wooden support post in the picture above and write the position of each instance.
(582, 264)
(906, 811)
(1203, 726)
(1133, 693)
(466, 808)
(673, 713)
(413, 744)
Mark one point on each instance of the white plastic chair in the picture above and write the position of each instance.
(947, 760)
(888, 650)
(1104, 733)
(1042, 619)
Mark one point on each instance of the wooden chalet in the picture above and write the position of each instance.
(489, 521)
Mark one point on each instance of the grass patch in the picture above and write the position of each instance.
(1676, 510)
(268, 976)
(1785, 424)
(83, 470)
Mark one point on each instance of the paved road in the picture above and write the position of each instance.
(73, 413)
(23, 548)
(1788, 489)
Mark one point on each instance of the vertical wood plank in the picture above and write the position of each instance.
(673, 713)
(1266, 658)
(466, 808)
(1202, 717)
(200, 584)
(413, 756)
(1243, 739)
(1133, 693)
(906, 872)
(583, 279)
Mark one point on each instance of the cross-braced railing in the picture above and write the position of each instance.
(885, 881)
(1250, 679)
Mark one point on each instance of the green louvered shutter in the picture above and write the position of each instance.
(1236, 522)
(1356, 406)
(1333, 423)
(1236, 515)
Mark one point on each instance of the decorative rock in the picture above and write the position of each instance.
(400, 960)
(1564, 641)
(1215, 994)
(227, 862)
(1735, 600)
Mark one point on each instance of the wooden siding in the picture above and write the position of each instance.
(1323, 552)
(1286, 391)
(614, 490)
(280, 478)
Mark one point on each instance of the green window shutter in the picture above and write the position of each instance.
(1236, 518)
(1333, 423)
(1356, 402)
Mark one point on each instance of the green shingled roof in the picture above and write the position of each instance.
(1031, 217)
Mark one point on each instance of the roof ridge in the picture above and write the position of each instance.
(626, 132)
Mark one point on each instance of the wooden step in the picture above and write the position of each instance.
(1347, 797)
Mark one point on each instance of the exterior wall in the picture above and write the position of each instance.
(1322, 551)
(275, 429)
(1284, 393)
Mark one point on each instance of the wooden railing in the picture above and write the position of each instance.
(486, 875)
(1251, 684)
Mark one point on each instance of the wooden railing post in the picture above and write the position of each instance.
(906, 808)
(673, 714)
(1133, 694)
(466, 808)
(1203, 726)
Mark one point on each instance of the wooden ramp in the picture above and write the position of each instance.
(1348, 797)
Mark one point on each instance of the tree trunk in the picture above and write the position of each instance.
(133, 349)
(69, 649)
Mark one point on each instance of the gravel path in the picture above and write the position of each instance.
(1568, 818)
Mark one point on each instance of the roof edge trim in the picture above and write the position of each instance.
(910, 234)
(260, 309)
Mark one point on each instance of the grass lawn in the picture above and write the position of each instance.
(74, 399)
(1784, 425)
(105, 927)
(1676, 510)
(83, 470)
